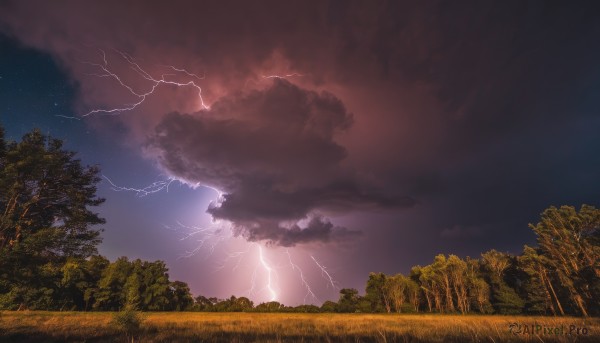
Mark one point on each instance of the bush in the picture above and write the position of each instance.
(128, 321)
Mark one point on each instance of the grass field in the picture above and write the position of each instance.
(294, 327)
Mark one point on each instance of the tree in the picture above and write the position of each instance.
(181, 298)
(442, 274)
(155, 285)
(395, 289)
(45, 193)
(307, 309)
(495, 262)
(271, 306)
(540, 293)
(329, 306)
(241, 304)
(349, 300)
(504, 298)
(457, 270)
(375, 293)
(204, 304)
(413, 291)
(94, 267)
(480, 292)
(44, 197)
(110, 295)
(569, 242)
(132, 292)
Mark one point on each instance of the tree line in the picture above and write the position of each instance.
(561, 276)
(49, 258)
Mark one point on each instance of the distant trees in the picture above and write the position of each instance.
(561, 276)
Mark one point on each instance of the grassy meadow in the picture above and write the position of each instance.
(39, 326)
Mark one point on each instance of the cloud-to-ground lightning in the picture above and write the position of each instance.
(141, 96)
(269, 271)
(325, 273)
(303, 280)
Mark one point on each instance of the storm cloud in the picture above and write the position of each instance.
(471, 114)
(273, 153)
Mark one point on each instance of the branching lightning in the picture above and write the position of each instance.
(154, 187)
(199, 78)
(141, 96)
(281, 76)
(325, 273)
(238, 255)
(304, 283)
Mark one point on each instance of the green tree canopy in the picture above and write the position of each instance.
(45, 219)
(45, 193)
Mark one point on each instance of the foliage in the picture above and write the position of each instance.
(45, 223)
(128, 321)
(349, 300)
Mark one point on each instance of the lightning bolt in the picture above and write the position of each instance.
(325, 273)
(154, 187)
(200, 78)
(212, 236)
(252, 282)
(304, 283)
(269, 271)
(154, 82)
(238, 255)
(282, 76)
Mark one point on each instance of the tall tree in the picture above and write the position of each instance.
(45, 195)
(375, 293)
(457, 269)
(395, 291)
(540, 293)
(569, 239)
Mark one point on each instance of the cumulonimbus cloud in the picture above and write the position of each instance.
(273, 152)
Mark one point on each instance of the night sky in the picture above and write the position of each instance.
(351, 136)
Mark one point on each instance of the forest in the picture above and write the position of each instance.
(49, 258)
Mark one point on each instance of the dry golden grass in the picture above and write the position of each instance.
(284, 327)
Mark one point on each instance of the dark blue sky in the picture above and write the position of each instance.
(401, 131)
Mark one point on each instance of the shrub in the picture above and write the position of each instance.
(128, 321)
